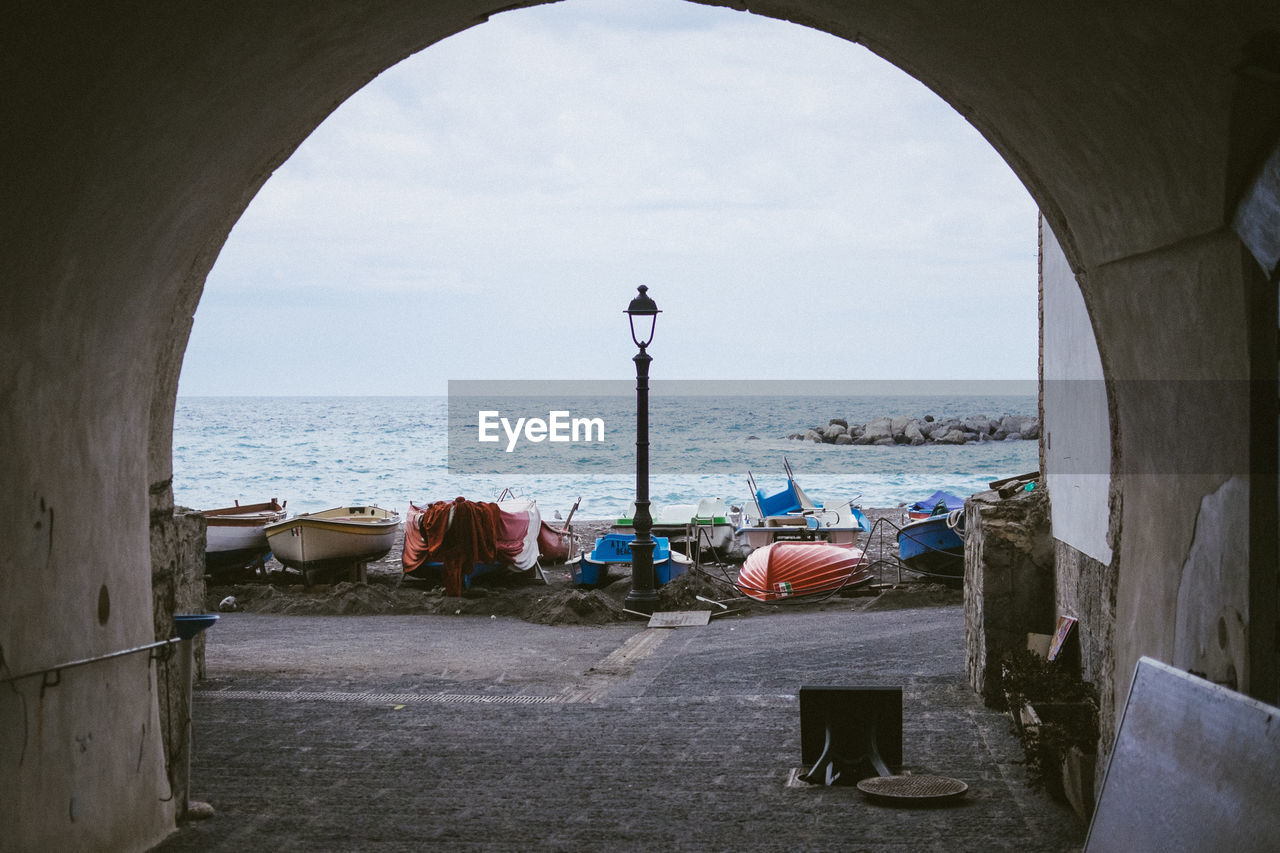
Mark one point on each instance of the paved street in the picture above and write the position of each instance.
(458, 733)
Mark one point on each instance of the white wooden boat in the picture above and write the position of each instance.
(342, 538)
(234, 537)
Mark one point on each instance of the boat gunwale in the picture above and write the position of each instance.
(244, 514)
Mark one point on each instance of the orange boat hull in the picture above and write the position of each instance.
(789, 569)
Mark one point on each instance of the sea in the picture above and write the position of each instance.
(320, 452)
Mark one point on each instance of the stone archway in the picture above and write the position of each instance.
(136, 138)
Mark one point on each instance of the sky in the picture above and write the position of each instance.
(798, 208)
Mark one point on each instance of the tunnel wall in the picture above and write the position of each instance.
(137, 134)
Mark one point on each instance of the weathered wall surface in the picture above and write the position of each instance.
(177, 584)
(1085, 589)
(1008, 581)
(1212, 626)
(1162, 594)
(142, 131)
(1169, 394)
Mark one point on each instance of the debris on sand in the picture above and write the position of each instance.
(683, 593)
(913, 595)
(577, 607)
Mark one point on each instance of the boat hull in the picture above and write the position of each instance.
(594, 569)
(554, 543)
(788, 569)
(930, 546)
(342, 538)
(586, 572)
(225, 560)
(235, 537)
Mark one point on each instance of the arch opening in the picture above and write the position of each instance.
(143, 136)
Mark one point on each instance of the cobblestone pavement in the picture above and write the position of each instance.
(458, 733)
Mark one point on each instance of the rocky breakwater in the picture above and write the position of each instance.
(886, 431)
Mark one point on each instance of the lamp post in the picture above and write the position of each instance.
(643, 597)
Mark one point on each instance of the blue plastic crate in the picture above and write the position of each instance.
(616, 548)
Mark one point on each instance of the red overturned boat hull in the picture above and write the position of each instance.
(789, 569)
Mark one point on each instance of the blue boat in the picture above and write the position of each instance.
(934, 546)
(592, 570)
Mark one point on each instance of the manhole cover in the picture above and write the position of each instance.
(912, 789)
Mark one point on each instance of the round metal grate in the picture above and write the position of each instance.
(912, 789)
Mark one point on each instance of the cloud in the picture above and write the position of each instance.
(769, 183)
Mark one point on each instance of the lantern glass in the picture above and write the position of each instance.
(643, 313)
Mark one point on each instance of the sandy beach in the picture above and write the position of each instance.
(557, 602)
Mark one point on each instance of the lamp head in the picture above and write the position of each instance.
(643, 313)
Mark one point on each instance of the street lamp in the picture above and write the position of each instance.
(643, 597)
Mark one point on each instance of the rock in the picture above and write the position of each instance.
(878, 429)
(978, 424)
(228, 604)
(901, 429)
(199, 810)
(884, 442)
(1010, 424)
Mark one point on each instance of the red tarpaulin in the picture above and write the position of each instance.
(458, 534)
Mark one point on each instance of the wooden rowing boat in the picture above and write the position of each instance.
(342, 538)
(788, 569)
(234, 537)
